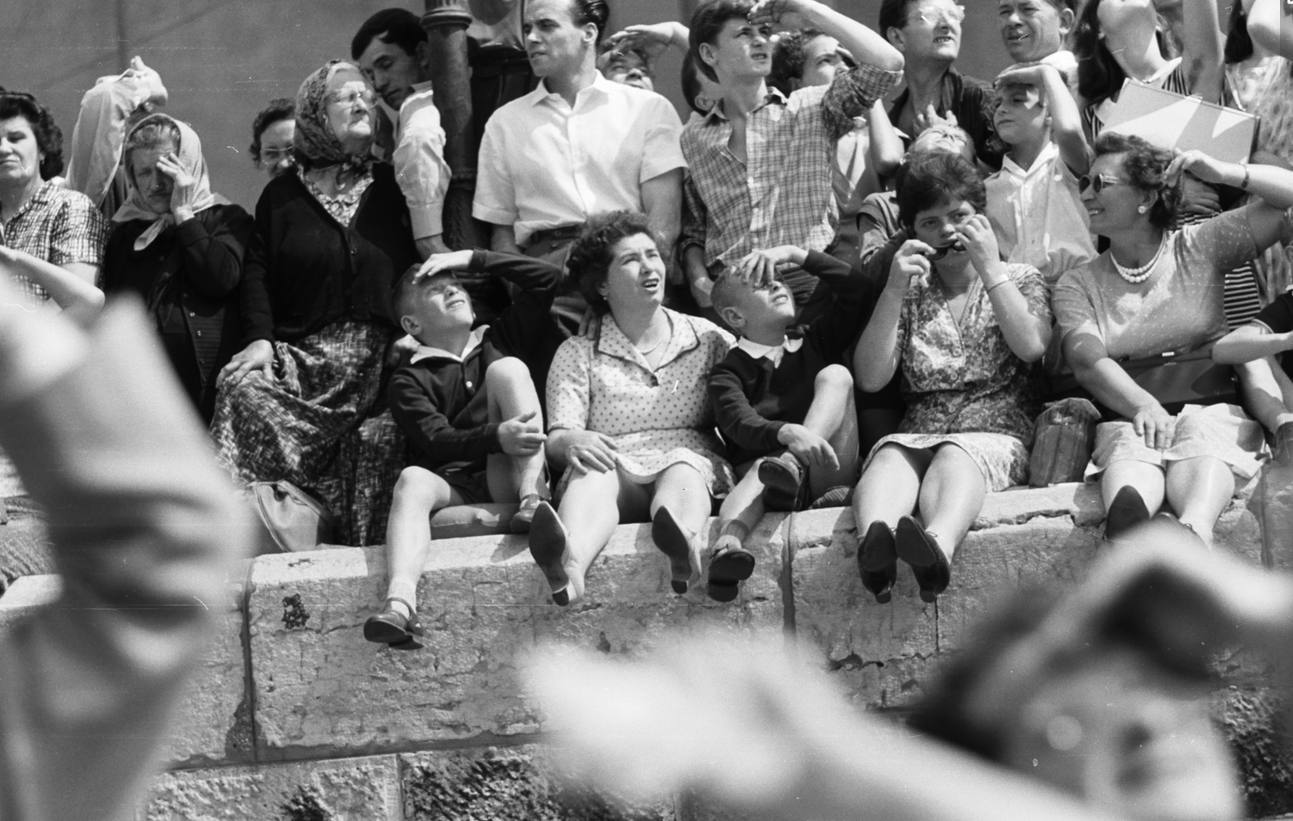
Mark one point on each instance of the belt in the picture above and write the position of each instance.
(558, 234)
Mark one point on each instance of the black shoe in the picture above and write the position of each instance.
(783, 479)
(674, 542)
(878, 561)
(917, 547)
(730, 566)
(391, 628)
(1125, 512)
(548, 547)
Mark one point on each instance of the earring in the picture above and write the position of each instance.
(1142, 209)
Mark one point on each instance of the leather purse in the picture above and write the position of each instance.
(1063, 439)
(1189, 378)
(295, 520)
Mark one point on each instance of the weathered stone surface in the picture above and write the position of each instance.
(340, 790)
(1077, 500)
(507, 784)
(214, 723)
(320, 687)
(1251, 720)
(879, 651)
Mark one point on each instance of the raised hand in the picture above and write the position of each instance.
(760, 267)
(980, 242)
(911, 261)
(436, 263)
(183, 189)
(1199, 165)
(654, 39)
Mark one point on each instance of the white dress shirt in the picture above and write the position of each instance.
(773, 352)
(418, 159)
(544, 163)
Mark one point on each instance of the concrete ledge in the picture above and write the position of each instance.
(320, 689)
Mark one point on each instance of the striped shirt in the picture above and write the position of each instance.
(783, 194)
(58, 226)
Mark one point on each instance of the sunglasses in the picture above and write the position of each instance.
(1099, 182)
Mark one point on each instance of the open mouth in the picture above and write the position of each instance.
(945, 39)
(651, 283)
(456, 302)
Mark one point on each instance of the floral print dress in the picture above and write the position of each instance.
(962, 383)
(657, 418)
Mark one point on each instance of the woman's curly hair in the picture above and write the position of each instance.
(592, 253)
(279, 109)
(49, 137)
(1145, 168)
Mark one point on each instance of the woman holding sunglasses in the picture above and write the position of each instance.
(1157, 291)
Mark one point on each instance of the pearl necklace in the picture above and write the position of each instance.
(1138, 275)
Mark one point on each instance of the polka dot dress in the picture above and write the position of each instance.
(657, 417)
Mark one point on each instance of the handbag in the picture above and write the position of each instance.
(1063, 438)
(1189, 378)
(295, 520)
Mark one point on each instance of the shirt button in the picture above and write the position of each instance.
(199, 333)
(469, 384)
(191, 313)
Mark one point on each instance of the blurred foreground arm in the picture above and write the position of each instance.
(145, 531)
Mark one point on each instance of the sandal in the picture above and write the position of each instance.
(731, 565)
(392, 628)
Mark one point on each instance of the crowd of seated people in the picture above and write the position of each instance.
(853, 276)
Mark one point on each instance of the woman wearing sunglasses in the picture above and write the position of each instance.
(1157, 291)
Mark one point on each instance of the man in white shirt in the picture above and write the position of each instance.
(576, 146)
(392, 49)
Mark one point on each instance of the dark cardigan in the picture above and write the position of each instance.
(306, 271)
(189, 277)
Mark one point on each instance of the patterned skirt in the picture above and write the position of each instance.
(643, 456)
(322, 425)
(1002, 459)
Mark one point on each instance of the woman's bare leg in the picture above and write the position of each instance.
(1198, 490)
(951, 496)
(890, 486)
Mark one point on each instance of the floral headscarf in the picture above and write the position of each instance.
(314, 136)
(189, 152)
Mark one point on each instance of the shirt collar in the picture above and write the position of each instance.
(541, 93)
(773, 352)
(41, 198)
(1013, 168)
(431, 352)
(773, 96)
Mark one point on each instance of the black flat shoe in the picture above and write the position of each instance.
(1126, 511)
(391, 628)
(727, 570)
(674, 542)
(548, 547)
(929, 565)
(783, 479)
(878, 561)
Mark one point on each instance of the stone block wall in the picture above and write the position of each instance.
(293, 715)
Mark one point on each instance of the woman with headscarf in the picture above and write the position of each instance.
(300, 402)
(180, 248)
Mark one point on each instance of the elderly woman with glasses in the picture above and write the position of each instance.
(300, 402)
(1157, 291)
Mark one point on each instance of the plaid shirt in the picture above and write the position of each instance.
(58, 226)
(784, 195)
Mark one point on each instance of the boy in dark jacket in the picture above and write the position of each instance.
(467, 402)
(783, 400)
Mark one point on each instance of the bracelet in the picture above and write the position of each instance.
(997, 284)
(1244, 184)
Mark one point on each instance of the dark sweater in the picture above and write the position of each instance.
(440, 402)
(753, 400)
(306, 271)
(970, 99)
(189, 277)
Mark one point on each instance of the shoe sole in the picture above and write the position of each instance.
(780, 489)
(915, 547)
(878, 562)
(668, 535)
(548, 548)
(726, 572)
(383, 632)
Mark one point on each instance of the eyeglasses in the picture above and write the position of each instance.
(273, 155)
(943, 16)
(1099, 182)
(349, 98)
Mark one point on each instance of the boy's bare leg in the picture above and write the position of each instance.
(511, 394)
(833, 417)
(418, 494)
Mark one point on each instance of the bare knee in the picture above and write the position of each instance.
(833, 377)
(418, 485)
(507, 370)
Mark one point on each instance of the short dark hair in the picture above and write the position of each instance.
(591, 254)
(597, 12)
(399, 26)
(937, 177)
(49, 137)
(893, 14)
(788, 58)
(402, 291)
(1145, 168)
(279, 109)
(708, 21)
(1099, 75)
